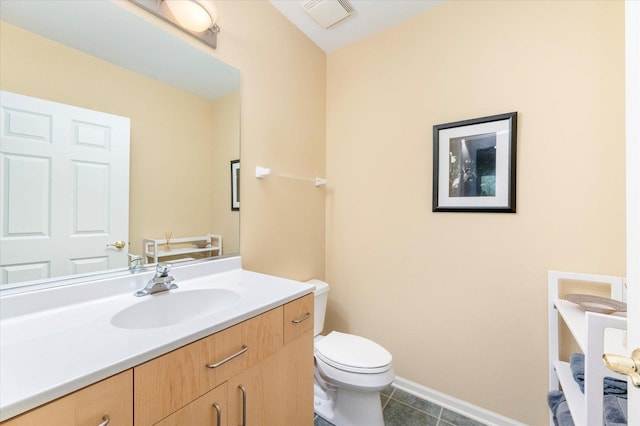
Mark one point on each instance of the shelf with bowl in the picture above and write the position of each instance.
(594, 332)
(155, 249)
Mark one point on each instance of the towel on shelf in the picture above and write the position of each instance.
(614, 410)
(559, 409)
(611, 386)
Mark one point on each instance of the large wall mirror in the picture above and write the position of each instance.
(183, 110)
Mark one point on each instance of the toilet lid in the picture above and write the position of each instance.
(352, 353)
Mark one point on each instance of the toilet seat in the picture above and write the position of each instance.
(354, 354)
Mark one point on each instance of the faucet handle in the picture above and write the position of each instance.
(163, 269)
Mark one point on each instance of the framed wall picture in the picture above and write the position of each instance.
(474, 165)
(235, 185)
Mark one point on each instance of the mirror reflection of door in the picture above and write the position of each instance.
(65, 189)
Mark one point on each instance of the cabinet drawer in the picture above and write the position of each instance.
(209, 409)
(111, 397)
(298, 317)
(171, 381)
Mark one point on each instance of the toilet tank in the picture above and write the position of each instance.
(320, 295)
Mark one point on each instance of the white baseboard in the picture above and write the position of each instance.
(468, 410)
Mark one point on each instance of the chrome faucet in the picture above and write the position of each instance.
(135, 263)
(161, 282)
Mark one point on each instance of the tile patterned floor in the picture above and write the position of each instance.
(404, 409)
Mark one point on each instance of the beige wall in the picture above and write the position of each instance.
(283, 127)
(226, 121)
(460, 298)
(161, 182)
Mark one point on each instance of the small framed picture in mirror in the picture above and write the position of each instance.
(235, 185)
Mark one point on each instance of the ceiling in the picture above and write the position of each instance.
(370, 17)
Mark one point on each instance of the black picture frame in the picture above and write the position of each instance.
(235, 185)
(474, 165)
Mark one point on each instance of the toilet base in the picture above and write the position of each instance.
(323, 403)
(344, 407)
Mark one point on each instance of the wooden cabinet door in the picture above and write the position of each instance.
(111, 397)
(208, 410)
(171, 381)
(278, 390)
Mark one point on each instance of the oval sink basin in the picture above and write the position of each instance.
(164, 309)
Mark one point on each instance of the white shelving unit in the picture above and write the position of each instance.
(595, 334)
(157, 249)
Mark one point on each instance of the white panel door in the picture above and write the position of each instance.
(64, 176)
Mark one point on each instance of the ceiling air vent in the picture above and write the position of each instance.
(327, 13)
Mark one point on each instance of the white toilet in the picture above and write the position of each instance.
(350, 371)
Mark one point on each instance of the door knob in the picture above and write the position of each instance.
(118, 244)
(625, 365)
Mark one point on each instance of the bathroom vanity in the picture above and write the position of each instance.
(250, 362)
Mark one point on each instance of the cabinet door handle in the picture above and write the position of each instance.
(105, 420)
(244, 405)
(229, 358)
(304, 317)
(218, 414)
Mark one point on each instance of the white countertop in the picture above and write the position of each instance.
(58, 340)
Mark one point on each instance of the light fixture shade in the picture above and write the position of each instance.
(180, 14)
(193, 15)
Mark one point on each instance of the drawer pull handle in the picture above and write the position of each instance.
(105, 420)
(244, 405)
(229, 358)
(304, 317)
(218, 414)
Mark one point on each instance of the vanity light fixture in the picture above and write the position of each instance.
(195, 17)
